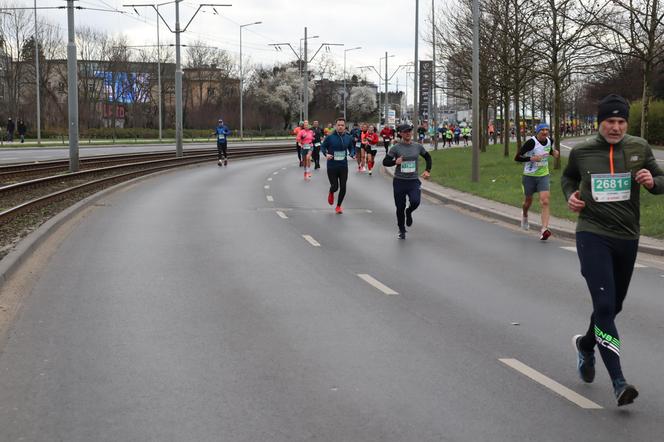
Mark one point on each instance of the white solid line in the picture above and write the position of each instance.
(566, 147)
(311, 241)
(269, 198)
(281, 214)
(569, 249)
(552, 385)
(379, 285)
(267, 186)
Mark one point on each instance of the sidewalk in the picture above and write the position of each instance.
(559, 227)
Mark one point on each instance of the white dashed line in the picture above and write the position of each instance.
(311, 241)
(552, 385)
(275, 173)
(266, 187)
(283, 168)
(269, 198)
(281, 214)
(377, 284)
(269, 179)
(569, 249)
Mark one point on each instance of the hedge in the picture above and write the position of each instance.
(655, 121)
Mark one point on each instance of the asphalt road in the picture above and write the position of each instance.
(31, 154)
(193, 308)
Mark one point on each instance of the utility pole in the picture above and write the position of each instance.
(475, 175)
(434, 115)
(242, 80)
(385, 104)
(36, 39)
(72, 89)
(416, 112)
(158, 73)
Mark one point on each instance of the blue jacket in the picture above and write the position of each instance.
(222, 132)
(338, 143)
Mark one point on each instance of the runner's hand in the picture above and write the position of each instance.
(329, 157)
(536, 158)
(426, 175)
(644, 177)
(575, 203)
(399, 160)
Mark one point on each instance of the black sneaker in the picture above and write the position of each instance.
(625, 393)
(402, 235)
(409, 218)
(585, 361)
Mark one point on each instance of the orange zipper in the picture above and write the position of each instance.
(611, 160)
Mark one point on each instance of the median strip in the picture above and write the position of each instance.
(552, 385)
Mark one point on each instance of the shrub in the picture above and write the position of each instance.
(655, 121)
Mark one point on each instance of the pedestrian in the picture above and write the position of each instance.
(535, 153)
(10, 129)
(337, 147)
(406, 181)
(602, 183)
(20, 127)
(222, 132)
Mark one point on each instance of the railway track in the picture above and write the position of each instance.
(54, 185)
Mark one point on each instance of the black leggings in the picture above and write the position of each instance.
(607, 265)
(338, 177)
(403, 189)
(222, 151)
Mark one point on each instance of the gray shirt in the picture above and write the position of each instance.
(409, 168)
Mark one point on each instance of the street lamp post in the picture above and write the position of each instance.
(72, 89)
(345, 93)
(242, 80)
(36, 39)
(475, 173)
(416, 113)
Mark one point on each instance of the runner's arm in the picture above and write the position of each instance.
(390, 159)
(656, 172)
(427, 158)
(571, 178)
(525, 147)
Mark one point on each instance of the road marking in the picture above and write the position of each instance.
(569, 249)
(282, 214)
(566, 147)
(269, 179)
(552, 385)
(266, 186)
(379, 285)
(275, 173)
(269, 198)
(311, 241)
(283, 168)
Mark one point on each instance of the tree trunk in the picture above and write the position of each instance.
(506, 123)
(557, 99)
(517, 119)
(645, 99)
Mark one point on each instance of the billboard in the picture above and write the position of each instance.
(426, 88)
(125, 87)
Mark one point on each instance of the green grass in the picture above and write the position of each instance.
(500, 180)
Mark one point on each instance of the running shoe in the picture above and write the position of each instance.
(330, 198)
(524, 223)
(370, 171)
(402, 235)
(546, 233)
(219, 163)
(339, 210)
(225, 163)
(409, 218)
(625, 393)
(301, 163)
(585, 360)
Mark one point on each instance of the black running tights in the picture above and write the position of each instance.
(338, 177)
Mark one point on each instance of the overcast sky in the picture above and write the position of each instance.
(376, 25)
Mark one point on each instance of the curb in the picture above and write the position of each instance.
(26, 246)
(485, 211)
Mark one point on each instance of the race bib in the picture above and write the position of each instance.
(409, 167)
(339, 155)
(317, 144)
(358, 144)
(306, 146)
(221, 137)
(609, 188)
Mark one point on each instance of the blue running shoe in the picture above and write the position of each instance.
(625, 393)
(585, 361)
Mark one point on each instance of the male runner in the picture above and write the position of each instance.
(336, 148)
(221, 132)
(305, 139)
(535, 154)
(318, 139)
(602, 182)
(296, 132)
(387, 134)
(406, 182)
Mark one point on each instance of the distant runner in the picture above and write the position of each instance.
(222, 132)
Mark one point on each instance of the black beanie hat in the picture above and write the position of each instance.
(612, 106)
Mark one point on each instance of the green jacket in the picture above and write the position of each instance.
(617, 219)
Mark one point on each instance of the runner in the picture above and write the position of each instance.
(465, 133)
(362, 154)
(535, 154)
(602, 182)
(305, 139)
(387, 134)
(406, 182)
(336, 148)
(296, 132)
(421, 133)
(369, 142)
(457, 135)
(318, 138)
(221, 132)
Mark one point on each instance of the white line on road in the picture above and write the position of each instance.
(281, 214)
(552, 385)
(379, 285)
(267, 186)
(283, 168)
(569, 249)
(275, 173)
(311, 241)
(566, 147)
(269, 198)
(269, 179)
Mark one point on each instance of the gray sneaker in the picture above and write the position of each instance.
(585, 361)
(524, 223)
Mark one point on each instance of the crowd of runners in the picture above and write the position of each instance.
(601, 183)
